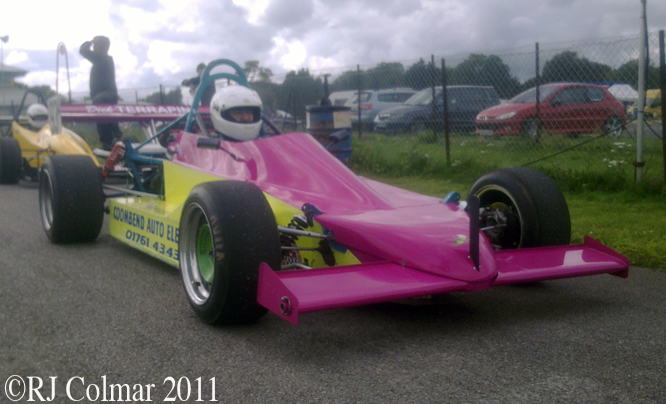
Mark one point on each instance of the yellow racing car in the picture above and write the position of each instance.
(22, 153)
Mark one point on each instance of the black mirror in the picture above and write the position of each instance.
(208, 143)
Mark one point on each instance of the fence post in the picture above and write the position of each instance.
(358, 97)
(445, 111)
(293, 104)
(662, 86)
(640, 118)
(433, 80)
(537, 83)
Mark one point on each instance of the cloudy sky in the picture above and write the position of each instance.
(161, 41)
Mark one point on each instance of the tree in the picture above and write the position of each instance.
(346, 81)
(421, 75)
(628, 73)
(482, 70)
(42, 92)
(385, 75)
(267, 92)
(173, 97)
(298, 90)
(567, 66)
(255, 73)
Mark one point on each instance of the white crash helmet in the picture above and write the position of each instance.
(228, 98)
(38, 115)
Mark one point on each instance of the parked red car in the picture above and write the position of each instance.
(569, 108)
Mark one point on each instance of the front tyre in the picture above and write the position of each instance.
(71, 199)
(10, 160)
(522, 207)
(227, 229)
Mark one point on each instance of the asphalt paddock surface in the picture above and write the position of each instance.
(102, 317)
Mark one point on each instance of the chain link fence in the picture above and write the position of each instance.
(163, 95)
(585, 121)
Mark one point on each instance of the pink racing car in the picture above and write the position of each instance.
(279, 224)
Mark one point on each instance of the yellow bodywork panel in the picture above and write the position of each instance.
(152, 224)
(36, 146)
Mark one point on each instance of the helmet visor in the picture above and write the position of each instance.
(242, 114)
(40, 117)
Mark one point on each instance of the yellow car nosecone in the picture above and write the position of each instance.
(25, 151)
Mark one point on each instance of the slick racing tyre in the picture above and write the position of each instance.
(227, 229)
(71, 199)
(10, 160)
(522, 207)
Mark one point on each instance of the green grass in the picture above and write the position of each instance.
(596, 179)
(585, 163)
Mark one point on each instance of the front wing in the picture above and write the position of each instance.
(289, 293)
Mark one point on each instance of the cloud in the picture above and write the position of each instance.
(161, 41)
(287, 13)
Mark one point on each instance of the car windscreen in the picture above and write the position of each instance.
(364, 98)
(393, 97)
(529, 96)
(471, 95)
(423, 97)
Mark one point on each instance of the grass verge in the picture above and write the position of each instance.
(597, 181)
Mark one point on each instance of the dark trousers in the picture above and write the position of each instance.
(109, 133)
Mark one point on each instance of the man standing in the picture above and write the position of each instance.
(102, 85)
(194, 82)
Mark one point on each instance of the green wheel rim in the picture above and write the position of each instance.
(205, 255)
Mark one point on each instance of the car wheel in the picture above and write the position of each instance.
(71, 199)
(522, 207)
(613, 126)
(531, 129)
(226, 230)
(10, 160)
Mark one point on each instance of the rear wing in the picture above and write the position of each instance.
(125, 113)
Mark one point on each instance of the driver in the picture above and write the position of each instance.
(236, 113)
(38, 116)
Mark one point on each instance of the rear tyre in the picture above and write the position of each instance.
(71, 199)
(525, 208)
(10, 160)
(226, 230)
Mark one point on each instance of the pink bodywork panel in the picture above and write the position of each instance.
(410, 245)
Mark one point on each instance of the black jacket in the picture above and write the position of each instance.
(102, 76)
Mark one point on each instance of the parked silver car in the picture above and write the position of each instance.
(375, 101)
